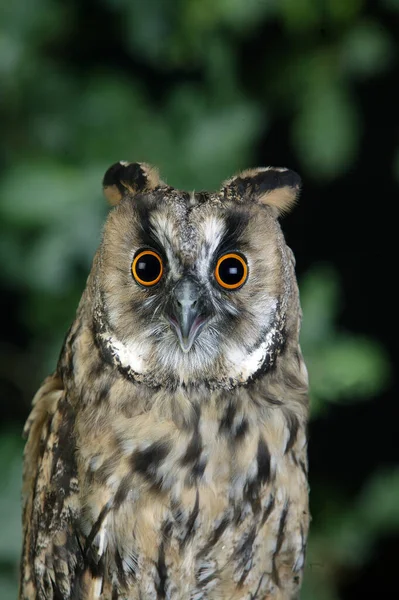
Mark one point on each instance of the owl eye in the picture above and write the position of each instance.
(231, 271)
(147, 268)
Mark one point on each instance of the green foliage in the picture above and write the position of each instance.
(64, 121)
(11, 448)
(347, 534)
(342, 367)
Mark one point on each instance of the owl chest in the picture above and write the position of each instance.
(191, 511)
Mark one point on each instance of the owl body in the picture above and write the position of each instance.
(166, 457)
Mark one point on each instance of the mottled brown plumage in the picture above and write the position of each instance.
(166, 457)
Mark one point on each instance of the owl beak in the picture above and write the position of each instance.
(188, 313)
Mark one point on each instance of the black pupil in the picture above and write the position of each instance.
(231, 271)
(148, 268)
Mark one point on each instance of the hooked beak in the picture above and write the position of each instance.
(189, 312)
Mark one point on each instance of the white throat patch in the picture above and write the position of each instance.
(132, 357)
(243, 365)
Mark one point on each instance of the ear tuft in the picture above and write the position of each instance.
(272, 186)
(123, 179)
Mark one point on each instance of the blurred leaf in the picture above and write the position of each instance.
(381, 491)
(216, 145)
(10, 53)
(315, 587)
(307, 15)
(326, 131)
(347, 536)
(344, 10)
(45, 193)
(241, 14)
(8, 587)
(366, 49)
(36, 21)
(11, 447)
(319, 290)
(300, 14)
(348, 368)
(342, 367)
(63, 204)
(180, 33)
(148, 26)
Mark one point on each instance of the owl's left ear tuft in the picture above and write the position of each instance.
(272, 186)
(128, 179)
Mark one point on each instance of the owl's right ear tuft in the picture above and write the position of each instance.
(275, 187)
(128, 179)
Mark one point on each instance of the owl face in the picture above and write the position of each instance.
(192, 287)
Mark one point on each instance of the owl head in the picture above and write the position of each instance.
(195, 287)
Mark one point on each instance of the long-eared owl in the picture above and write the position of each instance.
(166, 455)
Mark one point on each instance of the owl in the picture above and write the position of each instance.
(166, 457)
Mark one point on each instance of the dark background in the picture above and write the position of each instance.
(202, 90)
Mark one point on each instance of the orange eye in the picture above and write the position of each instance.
(231, 271)
(147, 268)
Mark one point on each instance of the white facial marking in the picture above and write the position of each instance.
(212, 229)
(132, 356)
(243, 364)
